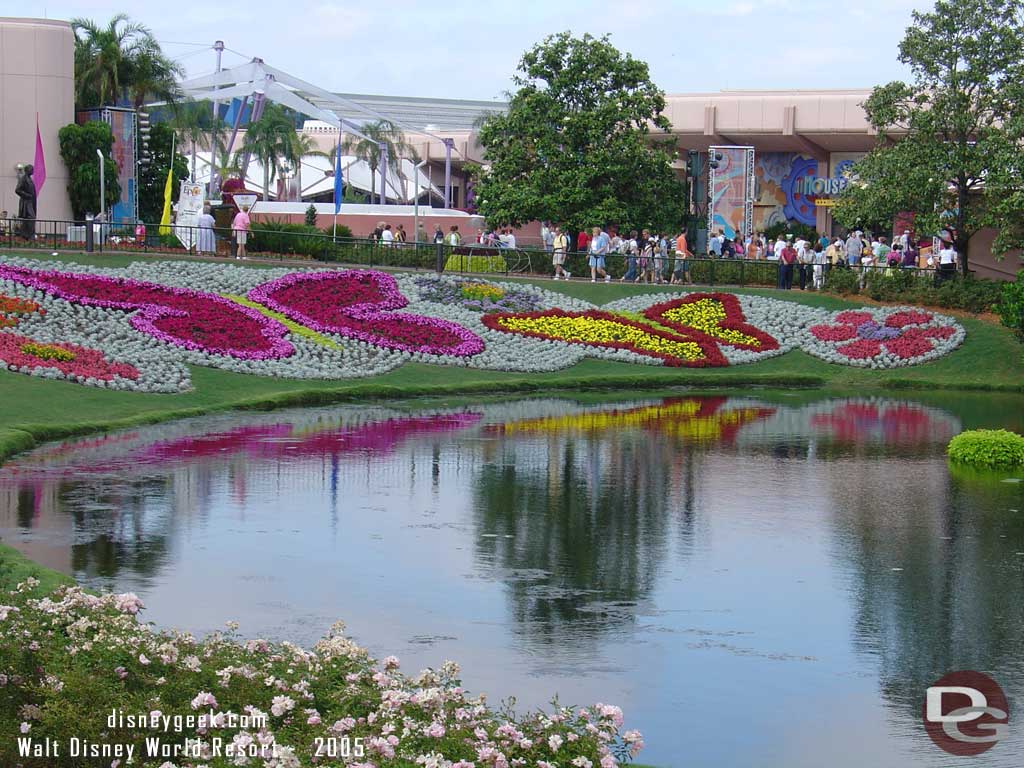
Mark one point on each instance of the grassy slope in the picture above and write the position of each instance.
(32, 410)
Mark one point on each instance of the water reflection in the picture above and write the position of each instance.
(661, 553)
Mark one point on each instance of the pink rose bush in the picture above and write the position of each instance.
(69, 658)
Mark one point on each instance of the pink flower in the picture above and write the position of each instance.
(16, 353)
(121, 672)
(359, 304)
(554, 742)
(143, 660)
(204, 699)
(26, 727)
(901, 334)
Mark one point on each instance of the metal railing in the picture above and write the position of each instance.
(268, 240)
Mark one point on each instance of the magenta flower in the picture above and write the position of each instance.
(194, 320)
(359, 304)
(904, 334)
(77, 363)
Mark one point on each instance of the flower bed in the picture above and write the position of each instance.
(331, 324)
(69, 659)
(66, 361)
(884, 338)
(357, 303)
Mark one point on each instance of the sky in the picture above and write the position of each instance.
(469, 49)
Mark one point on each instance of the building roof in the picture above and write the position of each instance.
(427, 113)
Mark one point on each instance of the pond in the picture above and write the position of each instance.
(761, 578)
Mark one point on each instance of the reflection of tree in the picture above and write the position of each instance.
(577, 527)
(958, 602)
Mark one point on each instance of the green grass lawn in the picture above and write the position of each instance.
(32, 410)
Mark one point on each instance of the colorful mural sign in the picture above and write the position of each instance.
(790, 186)
(732, 191)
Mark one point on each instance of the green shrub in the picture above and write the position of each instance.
(311, 215)
(343, 231)
(794, 228)
(1011, 305)
(279, 237)
(992, 448)
(842, 281)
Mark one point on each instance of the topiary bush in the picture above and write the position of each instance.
(1011, 305)
(990, 448)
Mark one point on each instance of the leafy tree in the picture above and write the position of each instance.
(78, 145)
(949, 142)
(575, 145)
(121, 61)
(368, 150)
(153, 178)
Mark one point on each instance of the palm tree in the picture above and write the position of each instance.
(120, 61)
(272, 140)
(368, 149)
(194, 122)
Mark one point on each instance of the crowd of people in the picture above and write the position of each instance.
(652, 257)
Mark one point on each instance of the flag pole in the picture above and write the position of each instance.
(337, 168)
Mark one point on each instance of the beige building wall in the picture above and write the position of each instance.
(37, 74)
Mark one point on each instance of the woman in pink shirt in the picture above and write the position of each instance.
(240, 228)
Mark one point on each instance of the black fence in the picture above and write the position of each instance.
(269, 242)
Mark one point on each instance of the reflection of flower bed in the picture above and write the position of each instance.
(692, 419)
(67, 361)
(476, 295)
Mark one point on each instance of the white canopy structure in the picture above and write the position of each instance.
(316, 177)
(259, 81)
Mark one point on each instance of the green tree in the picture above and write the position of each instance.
(153, 178)
(368, 149)
(575, 145)
(949, 142)
(121, 61)
(78, 145)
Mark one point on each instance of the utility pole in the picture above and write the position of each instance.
(218, 47)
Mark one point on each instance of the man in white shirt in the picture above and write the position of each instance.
(776, 252)
(387, 237)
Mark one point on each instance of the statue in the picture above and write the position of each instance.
(26, 192)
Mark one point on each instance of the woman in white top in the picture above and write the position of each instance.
(947, 262)
(206, 241)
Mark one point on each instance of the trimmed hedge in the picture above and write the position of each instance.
(1011, 306)
(908, 286)
(990, 448)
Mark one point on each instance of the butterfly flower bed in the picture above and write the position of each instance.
(70, 658)
(161, 317)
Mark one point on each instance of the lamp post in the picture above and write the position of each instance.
(103, 185)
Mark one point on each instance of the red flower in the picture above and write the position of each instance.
(86, 363)
(900, 335)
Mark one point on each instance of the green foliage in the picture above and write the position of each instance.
(909, 286)
(991, 448)
(78, 145)
(121, 62)
(153, 178)
(1011, 305)
(948, 143)
(344, 231)
(280, 237)
(794, 228)
(311, 215)
(575, 146)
